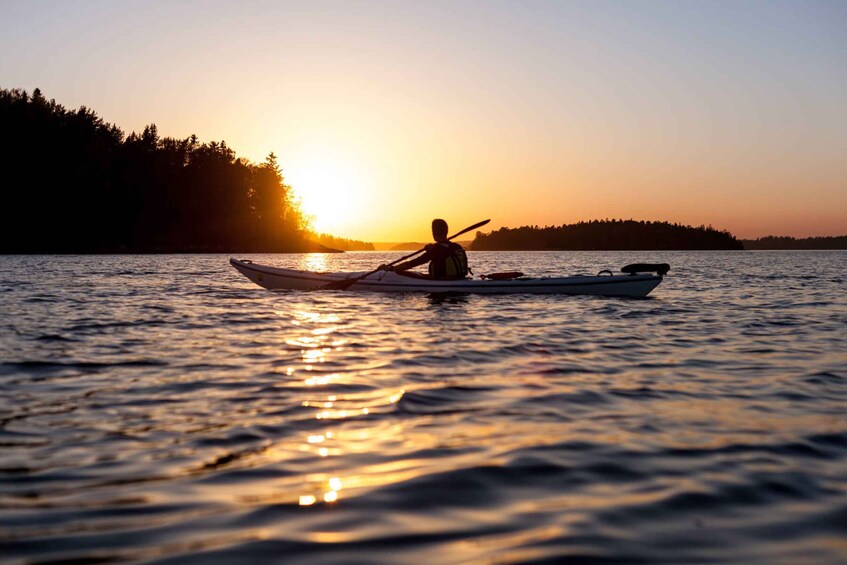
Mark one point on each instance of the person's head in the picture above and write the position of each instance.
(439, 230)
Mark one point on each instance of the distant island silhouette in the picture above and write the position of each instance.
(773, 242)
(342, 243)
(86, 187)
(412, 245)
(597, 235)
(407, 246)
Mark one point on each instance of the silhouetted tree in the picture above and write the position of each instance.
(86, 187)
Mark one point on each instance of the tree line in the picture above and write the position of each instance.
(596, 235)
(783, 242)
(342, 243)
(74, 183)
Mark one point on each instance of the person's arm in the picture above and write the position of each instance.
(412, 263)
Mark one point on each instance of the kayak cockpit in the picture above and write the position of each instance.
(660, 269)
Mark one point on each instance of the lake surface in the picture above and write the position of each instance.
(165, 409)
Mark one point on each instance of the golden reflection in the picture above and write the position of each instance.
(331, 537)
(314, 262)
(329, 446)
(313, 356)
(339, 407)
(321, 380)
(315, 343)
(315, 336)
(329, 489)
(307, 500)
(307, 316)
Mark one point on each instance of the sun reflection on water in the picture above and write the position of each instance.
(335, 397)
(348, 406)
(316, 262)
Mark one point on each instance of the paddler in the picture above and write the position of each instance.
(447, 260)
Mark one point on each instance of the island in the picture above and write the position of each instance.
(604, 235)
(773, 242)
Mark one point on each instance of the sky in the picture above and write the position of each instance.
(385, 115)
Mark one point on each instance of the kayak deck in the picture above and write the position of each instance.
(274, 278)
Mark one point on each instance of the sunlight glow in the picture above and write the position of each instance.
(329, 185)
(325, 196)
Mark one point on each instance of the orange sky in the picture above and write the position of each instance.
(385, 115)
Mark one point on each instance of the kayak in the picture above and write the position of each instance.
(636, 284)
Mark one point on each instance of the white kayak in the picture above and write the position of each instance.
(273, 278)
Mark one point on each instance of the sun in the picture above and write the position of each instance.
(327, 196)
(333, 184)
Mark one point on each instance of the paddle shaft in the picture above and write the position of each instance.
(341, 285)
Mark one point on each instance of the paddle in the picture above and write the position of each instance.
(346, 283)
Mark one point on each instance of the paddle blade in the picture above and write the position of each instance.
(339, 285)
(466, 230)
(507, 276)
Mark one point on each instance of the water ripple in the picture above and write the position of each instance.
(163, 409)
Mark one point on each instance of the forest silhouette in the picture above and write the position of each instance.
(599, 235)
(76, 184)
(783, 242)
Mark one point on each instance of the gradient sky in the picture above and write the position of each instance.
(384, 115)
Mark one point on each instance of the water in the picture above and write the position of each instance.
(165, 409)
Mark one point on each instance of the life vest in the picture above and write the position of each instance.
(453, 265)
